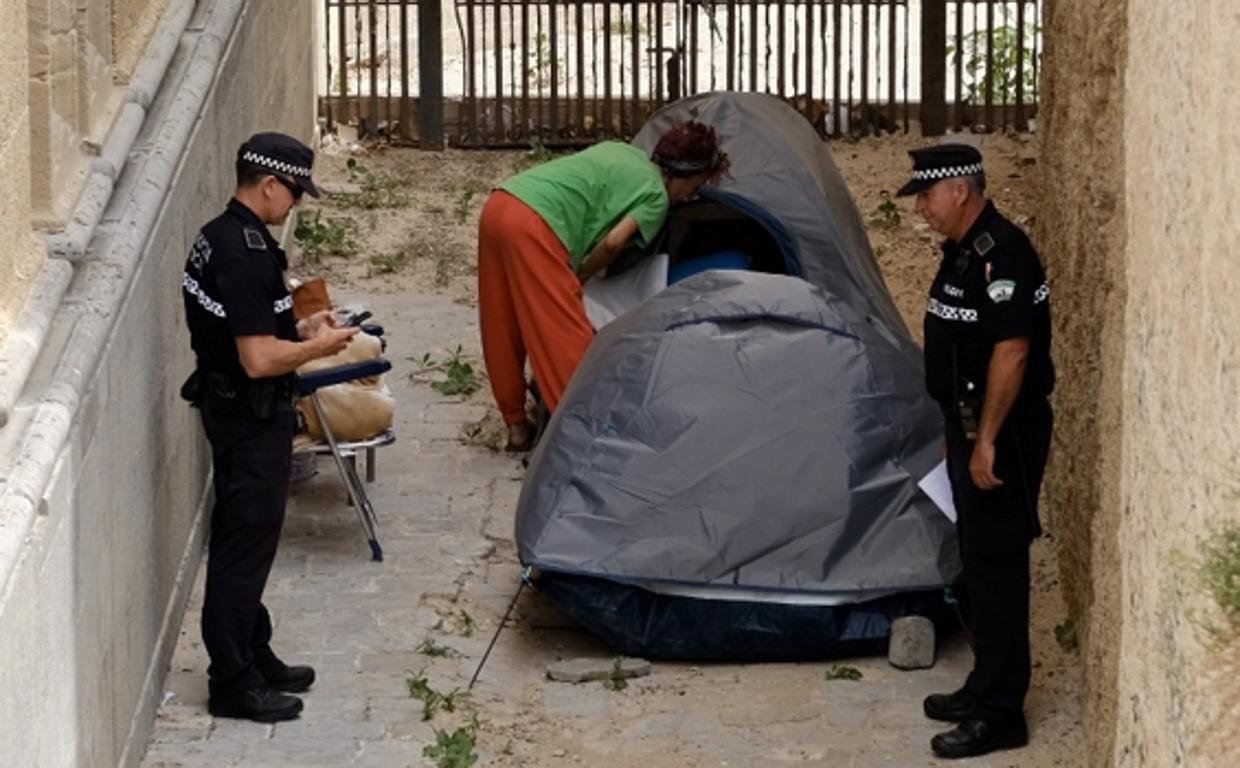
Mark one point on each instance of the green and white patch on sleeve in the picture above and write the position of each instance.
(1001, 290)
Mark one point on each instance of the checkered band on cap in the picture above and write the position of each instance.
(275, 165)
(951, 172)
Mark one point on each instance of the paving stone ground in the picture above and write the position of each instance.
(446, 521)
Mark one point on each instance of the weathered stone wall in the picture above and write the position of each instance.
(132, 23)
(103, 470)
(1179, 690)
(1138, 224)
(22, 255)
(1082, 234)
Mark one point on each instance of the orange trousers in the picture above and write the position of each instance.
(529, 303)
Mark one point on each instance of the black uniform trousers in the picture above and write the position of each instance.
(252, 458)
(995, 529)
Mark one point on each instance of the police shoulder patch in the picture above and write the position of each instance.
(254, 240)
(1001, 290)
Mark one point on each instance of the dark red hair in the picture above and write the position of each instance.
(690, 148)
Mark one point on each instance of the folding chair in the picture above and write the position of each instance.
(345, 452)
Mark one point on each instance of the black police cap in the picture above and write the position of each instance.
(283, 154)
(944, 161)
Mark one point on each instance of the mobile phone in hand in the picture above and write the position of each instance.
(358, 319)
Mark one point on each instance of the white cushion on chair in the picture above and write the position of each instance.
(356, 410)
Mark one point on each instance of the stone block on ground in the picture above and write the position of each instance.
(585, 670)
(912, 643)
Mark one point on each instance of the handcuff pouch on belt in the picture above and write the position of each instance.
(966, 399)
(969, 411)
(261, 396)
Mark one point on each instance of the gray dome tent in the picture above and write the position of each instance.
(733, 470)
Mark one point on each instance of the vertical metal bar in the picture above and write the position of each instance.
(607, 117)
(659, 53)
(596, 81)
(692, 59)
(541, 54)
(635, 32)
(1022, 124)
(406, 102)
(959, 66)
(327, 61)
(343, 64)
(387, 35)
(892, 7)
(865, 67)
(471, 68)
(430, 79)
(500, 133)
(372, 123)
(357, 53)
(554, 47)
(908, 118)
(1037, 50)
(990, 65)
(730, 52)
(484, 77)
(525, 63)
(781, 47)
(837, 51)
(934, 68)
(753, 45)
(809, 51)
(581, 67)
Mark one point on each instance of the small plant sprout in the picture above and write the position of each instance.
(842, 672)
(615, 681)
(320, 236)
(378, 190)
(886, 215)
(461, 379)
(455, 749)
(465, 624)
(388, 263)
(435, 650)
(1218, 570)
(1065, 635)
(432, 700)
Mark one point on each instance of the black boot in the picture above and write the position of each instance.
(979, 737)
(949, 707)
(262, 704)
(290, 679)
(281, 676)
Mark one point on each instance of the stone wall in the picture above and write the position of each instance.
(1082, 235)
(20, 259)
(132, 23)
(64, 64)
(103, 470)
(1179, 689)
(1138, 225)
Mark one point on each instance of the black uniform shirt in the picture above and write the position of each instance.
(233, 286)
(990, 287)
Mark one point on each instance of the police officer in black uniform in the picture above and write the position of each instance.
(247, 344)
(988, 364)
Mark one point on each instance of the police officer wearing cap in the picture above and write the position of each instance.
(248, 345)
(988, 364)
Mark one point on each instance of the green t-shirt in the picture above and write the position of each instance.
(582, 196)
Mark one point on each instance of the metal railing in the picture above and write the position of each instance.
(512, 72)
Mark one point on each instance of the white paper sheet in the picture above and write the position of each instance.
(938, 487)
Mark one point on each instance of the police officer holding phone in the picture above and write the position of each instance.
(248, 345)
(988, 364)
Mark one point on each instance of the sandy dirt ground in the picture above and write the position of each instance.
(404, 222)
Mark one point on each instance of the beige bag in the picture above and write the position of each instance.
(356, 410)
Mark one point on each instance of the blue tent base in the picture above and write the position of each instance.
(637, 622)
